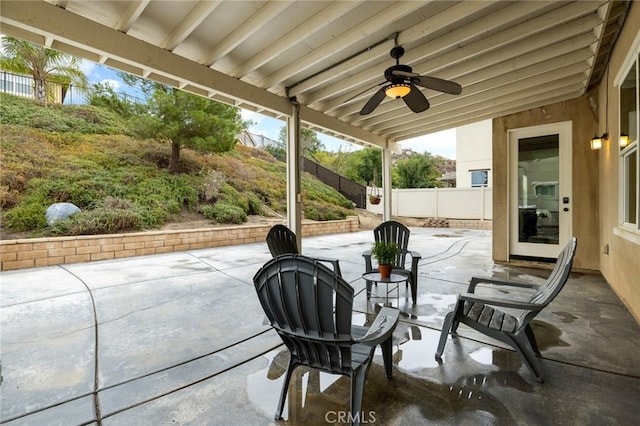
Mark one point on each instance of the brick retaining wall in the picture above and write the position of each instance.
(35, 252)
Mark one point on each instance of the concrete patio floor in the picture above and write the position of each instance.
(179, 339)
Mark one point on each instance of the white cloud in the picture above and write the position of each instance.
(114, 84)
(86, 67)
(262, 124)
(440, 143)
(246, 114)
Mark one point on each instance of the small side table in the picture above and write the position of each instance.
(394, 278)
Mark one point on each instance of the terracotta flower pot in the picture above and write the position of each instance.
(385, 270)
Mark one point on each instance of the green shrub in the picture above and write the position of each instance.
(317, 191)
(8, 197)
(314, 210)
(128, 176)
(208, 211)
(117, 203)
(230, 195)
(255, 204)
(153, 217)
(60, 118)
(247, 201)
(26, 217)
(228, 213)
(98, 221)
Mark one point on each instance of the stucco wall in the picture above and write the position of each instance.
(621, 266)
(473, 151)
(595, 177)
(584, 204)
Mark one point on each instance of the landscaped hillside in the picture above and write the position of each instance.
(83, 155)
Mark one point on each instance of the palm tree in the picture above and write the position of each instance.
(42, 64)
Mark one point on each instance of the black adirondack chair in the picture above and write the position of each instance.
(310, 306)
(282, 240)
(395, 232)
(482, 313)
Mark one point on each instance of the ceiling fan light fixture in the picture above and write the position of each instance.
(398, 90)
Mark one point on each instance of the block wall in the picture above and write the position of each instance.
(36, 252)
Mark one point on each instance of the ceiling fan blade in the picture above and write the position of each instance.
(373, 102)
(438, 84)
(434, 83)
(364, 91)
(416, 100)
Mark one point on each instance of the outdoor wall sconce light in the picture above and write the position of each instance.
(624, 140)
(596, 141)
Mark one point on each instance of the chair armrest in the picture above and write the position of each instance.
(415, 258)
(367, 261)
(382, 327)
(470, 297)
(334, 262)
(494, 281)
(414, 254)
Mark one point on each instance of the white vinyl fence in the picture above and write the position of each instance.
(449, 203)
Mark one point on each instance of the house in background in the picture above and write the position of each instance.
(23, 85)
(448, 179)
(473, 155)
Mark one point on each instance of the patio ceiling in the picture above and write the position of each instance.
(508, 56)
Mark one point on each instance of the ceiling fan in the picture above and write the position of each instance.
(401, 82)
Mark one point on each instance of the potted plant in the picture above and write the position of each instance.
(385, 253)
(374, 195)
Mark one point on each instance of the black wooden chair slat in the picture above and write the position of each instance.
(282, 240)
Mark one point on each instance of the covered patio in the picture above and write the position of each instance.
(179, 339)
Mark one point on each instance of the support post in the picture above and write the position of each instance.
(386, 184)
(294, 170)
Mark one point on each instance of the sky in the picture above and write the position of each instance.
(440, 143)
(97, 73)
